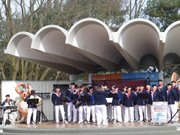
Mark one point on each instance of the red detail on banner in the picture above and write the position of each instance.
(116, 76)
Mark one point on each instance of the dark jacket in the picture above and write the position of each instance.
(129, 101)
(84, 98)
(135, 97)
(177, 93)
(69, 95)
(142, 97)
(92, 99)
(57, 100)
(10, 103)
(149, 98)
(155, 96)
(162, 93)
(117, 98)
(170, 96)
(74, 98)
(100, 98)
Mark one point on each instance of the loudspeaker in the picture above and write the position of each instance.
(44, 95)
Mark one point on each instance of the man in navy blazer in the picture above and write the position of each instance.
(129, 102)
(155, 94)
(162, 90)
(142, 101)
(155, 97)
(148, 102)
(170, 98)
(177, 96)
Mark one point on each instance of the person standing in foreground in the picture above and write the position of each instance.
(109, 105)
(57, 101)
(162, 90)
(74, 101)
(177, 93)
(136, 107)
(84, 108)
(155, 97)
(129, 102)
(100, 106)
(92, 106)
(32, 107)
(116, 104)
(148, 103)
(178, 86)
(123, 106)
(69, 93)
(141, 101)
(170, 98)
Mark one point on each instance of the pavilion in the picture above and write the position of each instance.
(91, 46)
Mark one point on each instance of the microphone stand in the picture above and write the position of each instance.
(173, 116)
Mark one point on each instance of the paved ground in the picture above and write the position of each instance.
(50, 128)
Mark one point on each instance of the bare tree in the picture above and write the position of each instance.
(134, 8)
(34, 14)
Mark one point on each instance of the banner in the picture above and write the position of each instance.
(115, 76)
(159, 112)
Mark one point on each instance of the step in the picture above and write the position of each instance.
(151, 130)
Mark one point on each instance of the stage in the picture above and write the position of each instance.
(51, 128)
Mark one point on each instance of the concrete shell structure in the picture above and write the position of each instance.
(172, 44)
(140, 41)
(90, 46)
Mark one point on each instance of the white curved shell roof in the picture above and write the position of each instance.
(90, 46)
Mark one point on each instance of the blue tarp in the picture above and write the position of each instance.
(147, 76)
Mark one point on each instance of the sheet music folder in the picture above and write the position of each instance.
(33, 101)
